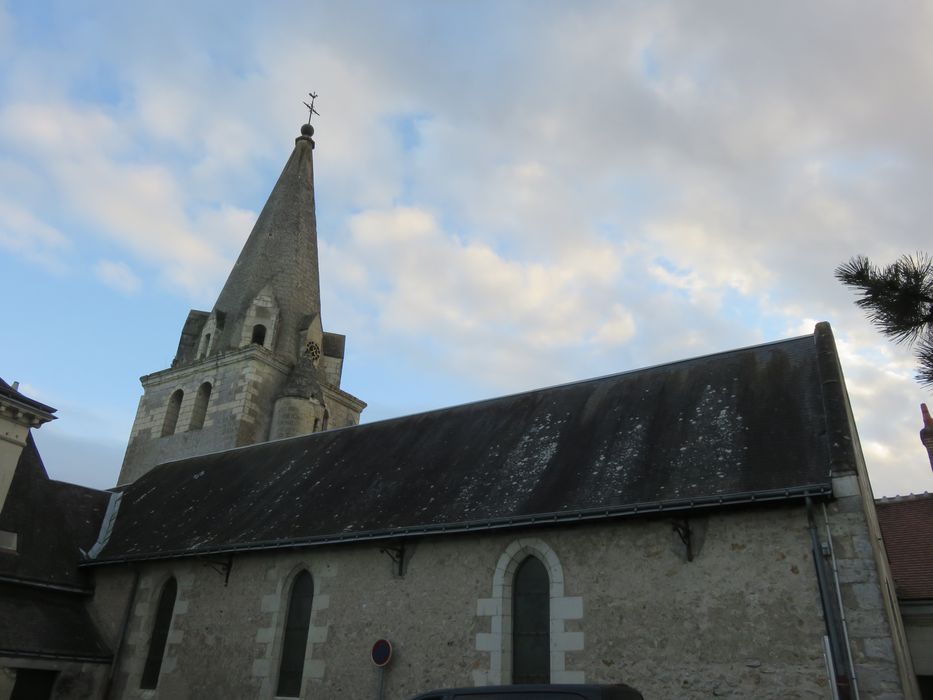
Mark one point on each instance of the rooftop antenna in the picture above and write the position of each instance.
(311, 109)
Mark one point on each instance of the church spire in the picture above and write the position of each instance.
(278, 264)
(260, 366)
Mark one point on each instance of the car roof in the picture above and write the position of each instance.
(618, 691)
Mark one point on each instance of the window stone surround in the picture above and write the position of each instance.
(269, 639)
(497, 643)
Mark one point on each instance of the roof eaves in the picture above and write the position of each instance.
(822, 490)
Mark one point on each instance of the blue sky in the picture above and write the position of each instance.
(510, 194)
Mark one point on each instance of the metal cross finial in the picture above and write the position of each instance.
(311, 109)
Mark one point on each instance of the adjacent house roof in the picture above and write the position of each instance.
(53, 521)
(42, 591)
(907, 529)
(15, 398)
(48, 625)
(767, 422)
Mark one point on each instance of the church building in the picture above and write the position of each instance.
(703, 528)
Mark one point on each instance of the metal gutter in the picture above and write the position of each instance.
(492, 524)
(35, 583)
(79, 658)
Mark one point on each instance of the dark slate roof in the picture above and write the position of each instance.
(9, 392)
(907, 529)
(737, 426)
(52, 521)
(47, 624)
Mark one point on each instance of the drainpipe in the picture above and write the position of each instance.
(844, 679)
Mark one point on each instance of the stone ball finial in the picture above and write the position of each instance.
(307, 130)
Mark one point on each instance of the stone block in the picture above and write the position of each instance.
(568, 677)
(314, 668)
(488, 606)
(567, 608)
(567, 641)
(317, 635)
(486, 641)
(879, 648)
(260, 668)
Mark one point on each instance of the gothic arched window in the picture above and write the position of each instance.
(295, 641)
(200, 406)
(531, 623)
(171, 413)
(259, 335)
(163, 619)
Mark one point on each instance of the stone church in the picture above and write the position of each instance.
(698, 529)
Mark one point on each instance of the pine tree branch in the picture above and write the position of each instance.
(924, 353)
(898, 298)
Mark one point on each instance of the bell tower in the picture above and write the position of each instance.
(259, 366)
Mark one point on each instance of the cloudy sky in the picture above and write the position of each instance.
(510, 194)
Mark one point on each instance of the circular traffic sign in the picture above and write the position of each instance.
(382, 652)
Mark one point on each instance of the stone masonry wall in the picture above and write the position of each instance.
(244, 386)
(741, 620)
(873, 641)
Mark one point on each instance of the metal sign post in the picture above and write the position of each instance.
(381, 654)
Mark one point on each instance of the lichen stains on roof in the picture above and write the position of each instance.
(749, 421)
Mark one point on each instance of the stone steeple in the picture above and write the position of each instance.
(280, 258)
(259, 366)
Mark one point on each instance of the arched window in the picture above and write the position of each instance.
(295, 642)
(171, 413)
(528, 604)
(163, 619)
(531, 623)
(205, 346)
(200, 406)
(259, 334)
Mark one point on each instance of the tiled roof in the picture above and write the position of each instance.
(907, 528)
(54, 520)
(755, 423)
(9, 392)
(37, 623)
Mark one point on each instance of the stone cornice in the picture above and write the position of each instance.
(22, 413)
(343, 397)
(253, 352)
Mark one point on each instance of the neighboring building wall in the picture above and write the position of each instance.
(742, 619)
(918, 622)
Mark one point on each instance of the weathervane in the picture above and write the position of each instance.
(311, 109)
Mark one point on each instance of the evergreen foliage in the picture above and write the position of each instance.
(898, 299)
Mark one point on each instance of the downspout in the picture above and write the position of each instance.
(842, 609)
(124, 627)
(844, 680)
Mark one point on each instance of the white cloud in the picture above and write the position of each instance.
(118, 276)
(585, 189)
(25, 235)
(422, 281)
